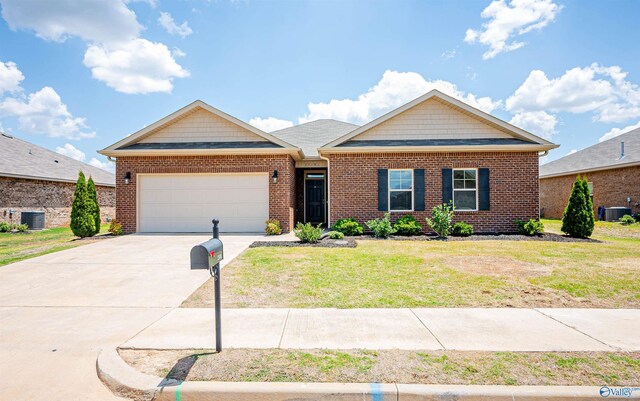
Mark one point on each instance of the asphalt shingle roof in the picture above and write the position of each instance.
(436, 142)
(312, 135)
(601, 155)
(24, 159)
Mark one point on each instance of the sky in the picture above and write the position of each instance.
(79, 75)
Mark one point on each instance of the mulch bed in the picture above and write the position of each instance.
(95, 237)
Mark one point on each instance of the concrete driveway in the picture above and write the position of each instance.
(57, 311)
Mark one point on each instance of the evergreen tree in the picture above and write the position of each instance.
(95, 207)
(82, 221)
(578, 220)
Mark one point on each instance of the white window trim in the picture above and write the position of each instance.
(453, 189)
(413, 198)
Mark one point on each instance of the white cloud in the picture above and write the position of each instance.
(71, 151)
(177, 52)
(10, 77)
(572, 151)
(618, 131)
(137, 66)
(104, 165)
(167, 22)
(92, 21)
(394, 89)
(508, 21)
(598, 89)
(537, 122)
(43, 112)
(449, 54)
(270, 124)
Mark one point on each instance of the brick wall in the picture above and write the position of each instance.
(513, 182)
(281, 195)
(54, 198)
(610, 188)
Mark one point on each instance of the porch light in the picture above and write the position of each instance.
(274, 177)
(127, 177)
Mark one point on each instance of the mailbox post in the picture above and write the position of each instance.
(215, 273)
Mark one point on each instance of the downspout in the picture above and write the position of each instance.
(328, 189)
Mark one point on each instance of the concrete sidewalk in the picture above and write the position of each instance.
(468, 329)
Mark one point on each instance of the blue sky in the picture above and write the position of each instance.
(80, 75)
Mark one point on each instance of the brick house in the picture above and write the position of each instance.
(33, 178)
(198, 163)
(612, 169)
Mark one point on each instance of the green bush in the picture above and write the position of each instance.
(94, 207)
(636, 216)
(336, 235)
(381, 228)
(407, 225)
(348, 227)
(440, 221)
(115, 228)
(22, 228)
(578, 220)
(530, 227)
(307, 233)
(82, 221)
(4, 227)
(462, 229)
(273, 227)
(627, 219)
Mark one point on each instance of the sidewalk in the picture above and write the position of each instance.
(467, 329)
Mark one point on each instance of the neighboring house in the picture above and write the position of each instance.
(199, 163)
(612, 169)
(36, 179)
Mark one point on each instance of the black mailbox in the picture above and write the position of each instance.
(206, 255)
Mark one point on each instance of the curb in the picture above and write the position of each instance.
(124, 380)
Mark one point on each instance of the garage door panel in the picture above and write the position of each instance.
(187, 203)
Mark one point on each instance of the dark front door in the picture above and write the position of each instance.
(314, 201)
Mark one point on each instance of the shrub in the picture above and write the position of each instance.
(462, 229)
(627, 219)
(440, 220)
(115, 228)
(336, 235)
(637, 217)
(348, 227)
(307, 233)
(22, 228)
(381, 227)
(82, 221)
(94, 207)
(578, 220)
(273, 227)
(4, 227)
(407, 225)
(530, 227)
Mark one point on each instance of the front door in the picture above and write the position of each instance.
(314, 199)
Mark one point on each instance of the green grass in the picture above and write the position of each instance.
(438, 274)
(15, 247)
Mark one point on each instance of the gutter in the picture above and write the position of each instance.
(590, 170)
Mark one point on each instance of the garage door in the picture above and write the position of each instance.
(188, 202)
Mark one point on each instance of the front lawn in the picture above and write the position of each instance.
(438, 274)
(20, 246)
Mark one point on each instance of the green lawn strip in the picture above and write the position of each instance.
(393, 366)
(604, 230)
(15, 247)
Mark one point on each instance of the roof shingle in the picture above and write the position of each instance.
(312, 135)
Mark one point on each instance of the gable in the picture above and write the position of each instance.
(431, 119)
(201, 126)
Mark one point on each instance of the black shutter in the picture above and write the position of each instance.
(383, 189)
(418, 189)
(447, 185)
(483, 187)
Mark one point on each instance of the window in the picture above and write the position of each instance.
(465, 189)
(590, 184)
(400, 190)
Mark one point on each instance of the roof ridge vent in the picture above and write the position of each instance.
(6, 135)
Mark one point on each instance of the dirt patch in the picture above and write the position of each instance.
(393, 366)
(496, 266)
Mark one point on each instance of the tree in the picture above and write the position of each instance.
(578, 220)
(95, 206)
(82, 221)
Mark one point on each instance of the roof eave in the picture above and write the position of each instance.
(294, 152)
(592, 169)
(32, 177)
(418, 149)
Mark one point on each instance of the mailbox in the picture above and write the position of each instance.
(207, 254)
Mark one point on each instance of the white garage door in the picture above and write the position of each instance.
(188, 202)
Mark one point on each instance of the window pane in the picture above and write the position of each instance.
(470, 184)
(395, 184)
(401, 179)
(458, 174)
(400, 200)
(458, 184)
(470, 174)
(394, 175)
(406, 174)
(464, 200)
